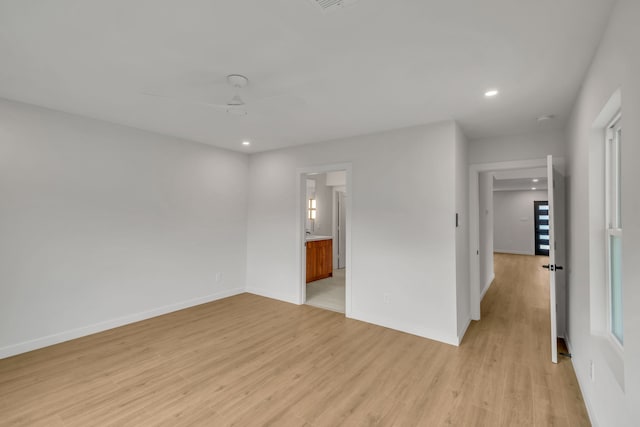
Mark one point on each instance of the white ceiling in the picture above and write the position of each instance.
(520, 184)
(372, 66)
(520, 179)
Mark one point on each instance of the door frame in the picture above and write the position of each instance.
(335, 227)
(474, 222)
(301, 214)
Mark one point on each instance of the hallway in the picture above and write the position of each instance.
(513, 339)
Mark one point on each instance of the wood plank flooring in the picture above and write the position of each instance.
(251, 361)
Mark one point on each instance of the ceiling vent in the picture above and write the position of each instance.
(332, 5)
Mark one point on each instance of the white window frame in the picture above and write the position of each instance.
(613, 217)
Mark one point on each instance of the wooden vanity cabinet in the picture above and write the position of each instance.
(319, 259)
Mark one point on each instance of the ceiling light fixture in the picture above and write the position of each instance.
(235, 105)
(491, 93)
(246, 143)
(546, 117)
(535, 180)
(533, 188)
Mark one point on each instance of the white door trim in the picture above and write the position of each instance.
(474, 222)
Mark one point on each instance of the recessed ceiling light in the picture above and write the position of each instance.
(246, 143)
(535, 180)
(491, 93)
(533, 188)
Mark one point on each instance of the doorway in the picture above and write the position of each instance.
(325, 237)
(479, 251)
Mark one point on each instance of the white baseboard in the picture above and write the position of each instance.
(464, 331)
(500, 251)
(487, 285)
(293, 299)
(407, 328)
(581, 381)
(25, 346)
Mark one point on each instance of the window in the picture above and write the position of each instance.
(605, 236)
(541, 227)
(613, 227)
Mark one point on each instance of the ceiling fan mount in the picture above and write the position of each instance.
(236, 105)
(237, 80)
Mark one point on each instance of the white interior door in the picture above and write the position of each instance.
(556, 252)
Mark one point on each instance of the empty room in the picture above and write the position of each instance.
(319, 213)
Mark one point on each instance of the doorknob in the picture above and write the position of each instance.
(558, 267)
(546, 266)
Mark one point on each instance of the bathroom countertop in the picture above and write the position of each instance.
(311, 238)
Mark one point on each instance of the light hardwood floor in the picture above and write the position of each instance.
(248, 360)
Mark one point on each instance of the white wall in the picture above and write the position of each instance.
(485, 222)
(462, 232)
(102, 225)
(616, 65)
(323, 225)
(337, 178)
(518, 147)
(310, 194)
(403, 234)
(513, 221)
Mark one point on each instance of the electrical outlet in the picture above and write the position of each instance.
(218, 276)
(386, 298)
(592, 371)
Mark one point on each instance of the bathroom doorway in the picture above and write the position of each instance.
(325, 239)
